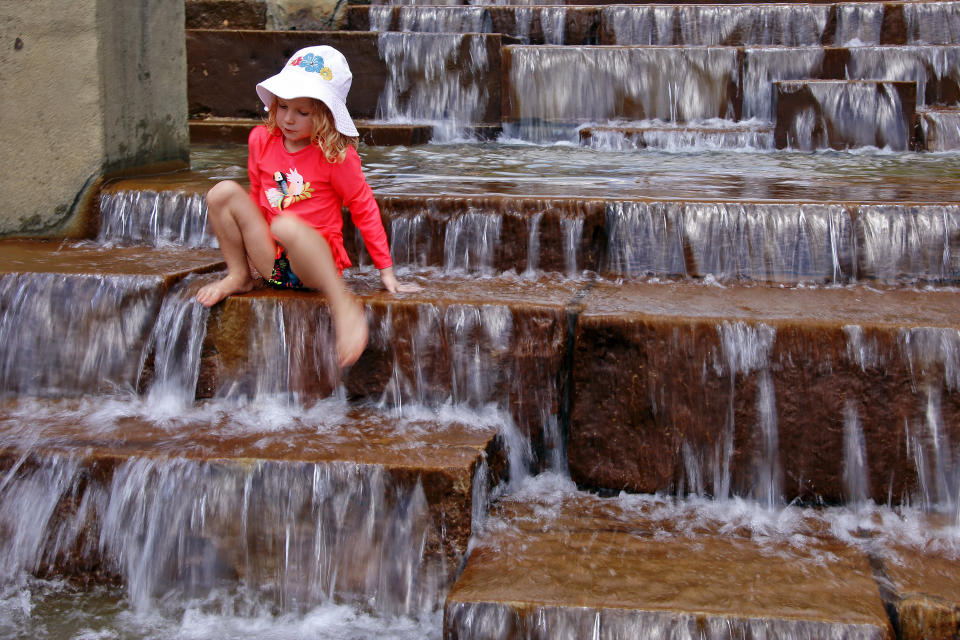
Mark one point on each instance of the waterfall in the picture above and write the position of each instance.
(912, 64)
(154, 219)
(763, 66)
(434, 78)
(50, 345)
(640, 24)
(550, 98)
(858, 23)
(908, 243)
(932, 22)
(852, 114)
(296, 532)
(411, 240)
(445, 19)
(644, 239)
(533, 243)
(855, 480)
(745, 350)
(730, 240)
(175, 346)
(471, 241)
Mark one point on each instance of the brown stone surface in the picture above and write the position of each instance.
(416, 337)
(518, 215)
(924, 591)
(29, 256)
(441, 456)
(821, 97)
(653, 387)
(236, 130)
(224, 67)
(569, 566)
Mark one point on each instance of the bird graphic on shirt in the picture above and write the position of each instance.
(290, 188)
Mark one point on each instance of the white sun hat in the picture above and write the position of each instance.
(319, 72)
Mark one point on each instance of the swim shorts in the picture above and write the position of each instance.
(283, 276)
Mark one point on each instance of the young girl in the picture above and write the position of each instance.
(303, 168)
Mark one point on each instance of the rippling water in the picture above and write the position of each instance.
(567, 170)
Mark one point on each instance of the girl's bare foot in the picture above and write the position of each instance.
(214, 292)
(352, 332)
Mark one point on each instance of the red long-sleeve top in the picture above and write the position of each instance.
(306, 184)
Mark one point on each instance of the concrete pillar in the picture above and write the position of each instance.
(88, 89)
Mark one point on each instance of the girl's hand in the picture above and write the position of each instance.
(391, 284)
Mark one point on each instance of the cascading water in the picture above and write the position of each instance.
(155, 219)
(434, 78)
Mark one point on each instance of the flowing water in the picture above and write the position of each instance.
(155, 496)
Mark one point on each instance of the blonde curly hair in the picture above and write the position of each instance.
(325, 135)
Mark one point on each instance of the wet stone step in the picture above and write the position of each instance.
(558, 564)
(940, 128)
(816, 394)
(470, 343)
(921, 586)
(79, 319)
(237, 130)
(821, 242)
(843, 114)
(686, 24)
(378, 62)
(338, 502)
(723, 135)
(731, 83)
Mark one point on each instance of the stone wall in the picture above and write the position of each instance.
(90, 88)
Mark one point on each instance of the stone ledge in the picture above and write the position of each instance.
(576, 565)
(671, 383)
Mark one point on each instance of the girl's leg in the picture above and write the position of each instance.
(242, 232)
(312, 261)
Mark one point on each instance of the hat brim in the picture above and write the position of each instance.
(287, 87)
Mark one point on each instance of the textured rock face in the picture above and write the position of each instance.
(922, 592)
(557, 565)
(739, 397)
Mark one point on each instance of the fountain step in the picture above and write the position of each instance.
(845, 114)
(723, 135)
(226, 14)
(776, 393)
(940, 128)
(235, 130)
(556, 24)
(474, 343)
(255, 55)
(54, 257)
(689, 24)
(264, 479)
(731, 83)
(798, 241)
(922, 588)
(564, 565)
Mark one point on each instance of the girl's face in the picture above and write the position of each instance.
(295, 119)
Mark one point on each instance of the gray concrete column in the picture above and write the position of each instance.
(88, 89)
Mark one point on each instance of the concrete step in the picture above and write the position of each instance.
(334, 503)
(561, 564)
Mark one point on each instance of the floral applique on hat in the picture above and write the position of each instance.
(313, 64)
